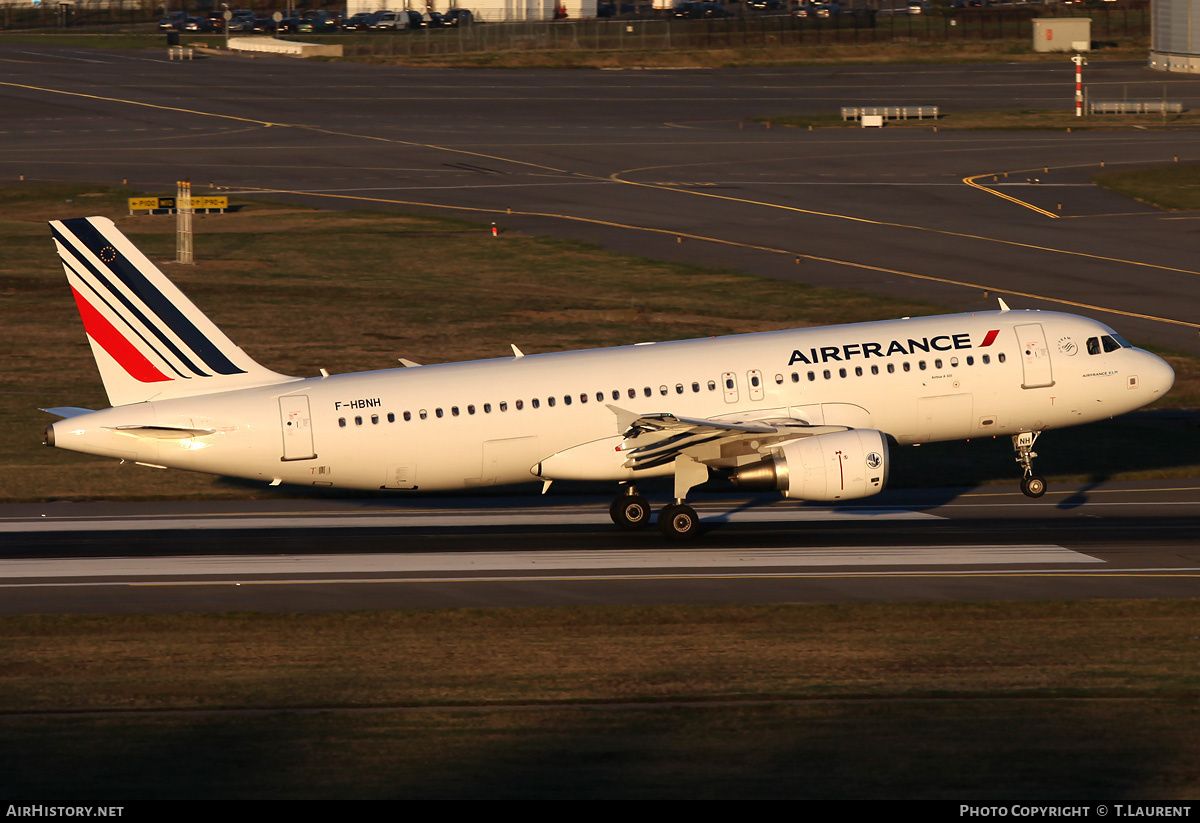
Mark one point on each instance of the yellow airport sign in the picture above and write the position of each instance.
(155, 203)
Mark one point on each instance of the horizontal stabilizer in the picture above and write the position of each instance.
(67, 411)
(161, 432)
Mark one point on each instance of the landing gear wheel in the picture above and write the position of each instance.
(630, 512)
(1033, 486)
(678, 521)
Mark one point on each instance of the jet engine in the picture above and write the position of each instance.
(837, 466)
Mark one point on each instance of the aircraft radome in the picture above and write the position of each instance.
(809, 412)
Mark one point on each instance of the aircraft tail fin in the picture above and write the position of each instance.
(149, 340)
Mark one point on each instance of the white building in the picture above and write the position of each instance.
(491, 11)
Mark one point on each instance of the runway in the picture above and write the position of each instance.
(1098, 540)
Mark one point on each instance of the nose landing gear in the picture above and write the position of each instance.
(1032, 485)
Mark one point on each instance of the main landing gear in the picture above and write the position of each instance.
(1032, 485)
(676, 520)
(630, 511)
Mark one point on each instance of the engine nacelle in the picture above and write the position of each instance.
(837, 466)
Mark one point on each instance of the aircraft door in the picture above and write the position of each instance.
(1035, 356)
(755, 381)
(296, 421)
(729, 386)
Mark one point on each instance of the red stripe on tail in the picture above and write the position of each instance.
(118, 347)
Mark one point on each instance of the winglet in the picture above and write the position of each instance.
(516, 352)
(1003, 305)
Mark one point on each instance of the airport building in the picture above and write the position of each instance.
(491, 11)
(1175, 35)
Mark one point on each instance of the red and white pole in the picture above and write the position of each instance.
(1078, 61)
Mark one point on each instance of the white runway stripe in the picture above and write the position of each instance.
(686, 560)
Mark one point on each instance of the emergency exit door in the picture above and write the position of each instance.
(296, 422)
(1035, 356)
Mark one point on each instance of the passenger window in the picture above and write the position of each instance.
(520, 404)
(566, 399)
(342, 422)
(374, 420)
(503, 405)
(712, 385)
(874, 370)
(779, 379)
(583, 398)
(550, 401)
(858, 371)
(841, 372)
(937, 364)
(647, 392)
(679, 388)
(1001, 357)
(921, 365)
(827, 374)
(891, 368)
(812, 376)
(907, 367)
(632, 393)
(536, 403)
(358, 420)
(391, 417)
(471, 409)
(407, 416)
(987, 358)
(454, 410)
(423, 414)
(438, 412)
(695, 387)
(487, 408)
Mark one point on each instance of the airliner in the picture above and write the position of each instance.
(812, 412)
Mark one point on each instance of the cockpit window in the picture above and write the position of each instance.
(1093, 345)
(1109, 343)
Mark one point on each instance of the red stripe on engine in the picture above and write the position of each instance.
(118, 347)
(989, 338)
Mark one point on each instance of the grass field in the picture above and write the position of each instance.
(1041, 701)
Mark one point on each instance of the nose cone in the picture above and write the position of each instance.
(1157, 376)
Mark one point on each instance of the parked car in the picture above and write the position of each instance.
(361, 21)
(242, 20)
(459, 17)
(694, 9)
(175, 21)
(197, 24)
(435, 20)
(398, 21)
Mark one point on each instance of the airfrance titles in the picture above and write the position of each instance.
(943, 342)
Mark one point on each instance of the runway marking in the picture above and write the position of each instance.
(774, 250)
(695, 558)
(616, 176)
(418, 519)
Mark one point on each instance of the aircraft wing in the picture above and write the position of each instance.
(656, 439)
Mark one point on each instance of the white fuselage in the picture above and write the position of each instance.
(551, 416)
